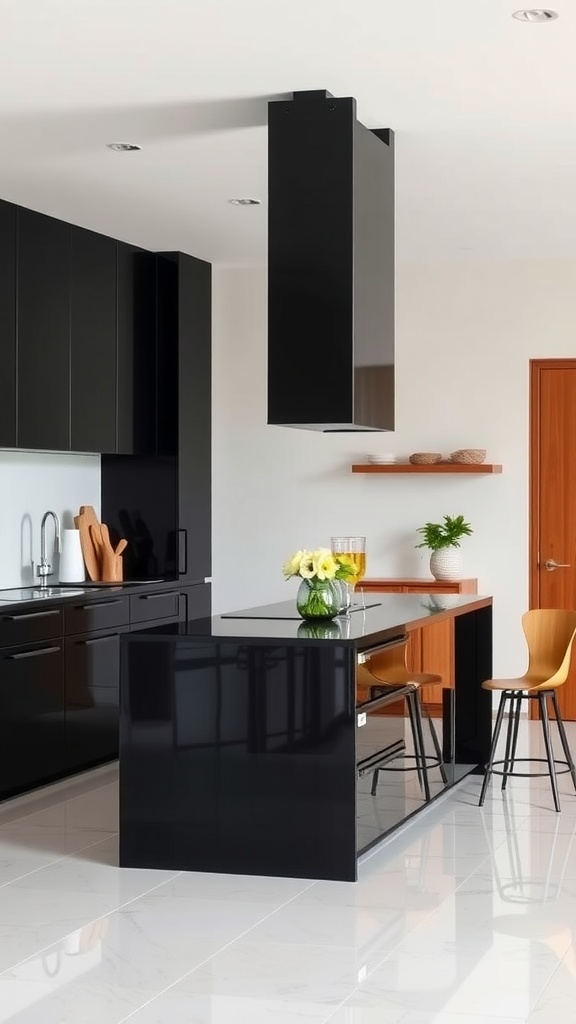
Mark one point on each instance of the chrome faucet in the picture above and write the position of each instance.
(45, 569)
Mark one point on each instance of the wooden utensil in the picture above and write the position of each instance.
(111, 562)
(89, 550)
(90, 512)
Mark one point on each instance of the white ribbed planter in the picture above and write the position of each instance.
(446, 564)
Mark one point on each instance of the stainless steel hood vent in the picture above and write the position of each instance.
(330, 267)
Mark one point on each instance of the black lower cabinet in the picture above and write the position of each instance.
(195, 602)
(236, 758)
(60, 695)
(92, 698)
(31, 715)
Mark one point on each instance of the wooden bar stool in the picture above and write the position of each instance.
(549, 635)
(386, 671)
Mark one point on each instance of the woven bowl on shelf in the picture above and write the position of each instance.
(424, 458)
(469, 456)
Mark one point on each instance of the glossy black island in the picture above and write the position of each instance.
(243, 748)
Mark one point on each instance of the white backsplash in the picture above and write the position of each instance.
(31, 483)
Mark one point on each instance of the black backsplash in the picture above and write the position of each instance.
(139, 502)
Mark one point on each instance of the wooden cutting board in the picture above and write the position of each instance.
(91, 560)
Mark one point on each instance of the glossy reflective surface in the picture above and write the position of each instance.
(387, 617)
(36, 593)
(467, 917)
(250, 757)
(238, 758)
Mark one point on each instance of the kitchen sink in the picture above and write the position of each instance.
(36, 593)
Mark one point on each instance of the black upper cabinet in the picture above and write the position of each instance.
(136, 346)
(43, 302)
(93, 342)
(162, 502)
(184, 401)
(8, 433)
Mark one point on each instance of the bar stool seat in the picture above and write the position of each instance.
(386, 672)
(549, 636)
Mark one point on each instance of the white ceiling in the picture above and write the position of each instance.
(483, 106)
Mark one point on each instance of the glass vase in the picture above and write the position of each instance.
(317, 600)
(328, 629)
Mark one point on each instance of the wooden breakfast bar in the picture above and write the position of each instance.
(243, 749)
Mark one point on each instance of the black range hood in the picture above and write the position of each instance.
(330, 267)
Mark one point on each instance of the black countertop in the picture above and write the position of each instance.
(392, 615)
(13, 598)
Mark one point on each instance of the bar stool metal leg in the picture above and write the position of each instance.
(548, 744)
(517, 714)
(509, 736)
(418, 753)
(563, 738)
(436, 745)
(495, 738)
(413, 699)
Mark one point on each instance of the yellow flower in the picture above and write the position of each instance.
(324, 564)
(292, 566)
(307, 570)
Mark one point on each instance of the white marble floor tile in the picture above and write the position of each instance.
(75, 812)
(494, 983)
(270, 982)
(174, 1008)
(22, 854)
(466, 917)
(365, 1012)
(236, 888)
(557, 1000)
(53, 842)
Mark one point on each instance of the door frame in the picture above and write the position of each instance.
(535, 483)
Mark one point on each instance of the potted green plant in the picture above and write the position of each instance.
(443, 540)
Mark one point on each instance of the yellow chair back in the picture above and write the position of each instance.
(549, 634)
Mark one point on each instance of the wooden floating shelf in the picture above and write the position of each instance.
(435, 467)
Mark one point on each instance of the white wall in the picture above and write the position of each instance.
(31, 483)
(465, 334)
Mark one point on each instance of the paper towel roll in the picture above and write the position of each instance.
(72, 569)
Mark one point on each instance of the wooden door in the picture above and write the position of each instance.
(553, 496)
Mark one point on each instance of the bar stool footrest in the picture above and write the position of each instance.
(431, 762)
(529, 775)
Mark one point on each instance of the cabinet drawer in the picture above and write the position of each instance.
(31, 715)
(29, 625)
(92, 698)
(103, 613)
(146, 607)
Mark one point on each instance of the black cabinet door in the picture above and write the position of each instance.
(8, 435)
(43, 264)
(92, 698)
(194, 416)
(31, 715)
(93, 342)
(196, 602)
(184, 401)
(136, 341)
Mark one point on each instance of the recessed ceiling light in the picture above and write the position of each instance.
(244, 202)
(122, 147)
(538, 15)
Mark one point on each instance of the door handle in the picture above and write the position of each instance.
(550, 565)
